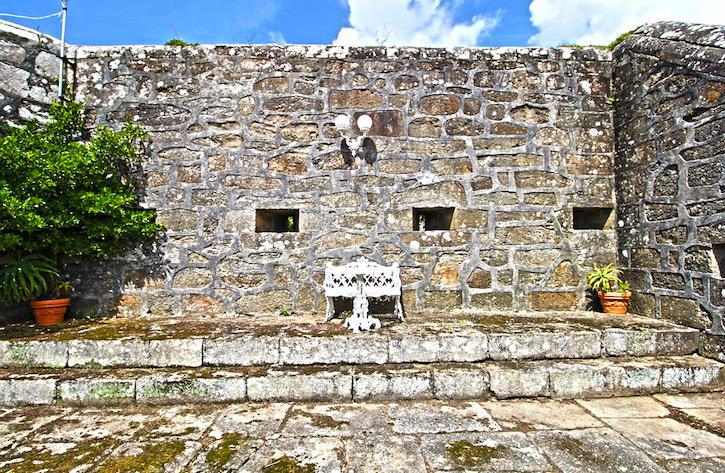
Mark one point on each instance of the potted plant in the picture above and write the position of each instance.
(34, 279)
(613, 292)
(70, 194)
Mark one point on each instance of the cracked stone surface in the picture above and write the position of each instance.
(663, 433)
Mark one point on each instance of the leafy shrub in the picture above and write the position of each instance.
(179, 42)
(60, 196)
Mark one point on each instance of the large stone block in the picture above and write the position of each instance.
(179, 387)
(569, 381)
(636, 377)
(370, 349)
(492, 301)
(246, 350)
(699, 375)
(440, 104)
(26, 392)
(355, 99)
(270, 302)
(540, 345)
(623, 342)
(108, 353)
(14, 81)
(300, 385)
(510, 380)
(45, 354)
(392, 384)
(97, 391)
(460, 382)
(175, 352)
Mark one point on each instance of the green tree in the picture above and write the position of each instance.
(62, 196)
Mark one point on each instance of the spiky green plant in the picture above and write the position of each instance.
(26, 278)
(606, 279)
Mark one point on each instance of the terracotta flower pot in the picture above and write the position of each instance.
(50, 312)
(614, 302)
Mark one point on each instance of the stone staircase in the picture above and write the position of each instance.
(434, 356)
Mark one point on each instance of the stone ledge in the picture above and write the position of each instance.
(473, 338)
(503, 380)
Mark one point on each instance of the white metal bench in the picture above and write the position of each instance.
(360, 280)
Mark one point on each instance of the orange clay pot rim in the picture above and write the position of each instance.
(51, 302)
(615, 294)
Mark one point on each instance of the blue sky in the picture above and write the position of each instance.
(389, 22)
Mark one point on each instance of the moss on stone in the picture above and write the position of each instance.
(217, 457)
(287, 464)
(152, 460)
(110, 391)
(321, 420)
(83, 454)
(467, 455)
(621, 39)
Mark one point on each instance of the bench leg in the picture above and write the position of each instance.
(329, 309)
(399, 309)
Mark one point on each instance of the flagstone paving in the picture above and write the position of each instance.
(662, 433)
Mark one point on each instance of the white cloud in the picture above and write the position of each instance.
(276, 37)
(410, 23)
(601, 21)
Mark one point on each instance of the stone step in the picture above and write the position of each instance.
(153, 343)
(602, 377)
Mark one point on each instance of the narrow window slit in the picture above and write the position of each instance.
(593, 218)
(277, 220)
(436, 218)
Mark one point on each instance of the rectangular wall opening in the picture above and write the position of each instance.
(718, 249)
(436, 218)
(593, 218)
(277, 220)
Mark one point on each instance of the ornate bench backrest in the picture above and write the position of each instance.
(378, 280)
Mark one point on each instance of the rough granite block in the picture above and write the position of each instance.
(518, 380)
(461, 383)
(241, 351)
(635, 378)
(179, 388)
(622, 342)
(104, 391)
(414, 348)
(172, 352)
(360, 349)
(21, 392)
(703, 376)
(296, 385)
(463, 345)
(45, 354)
(108, 353)
(392, 384)
(580, 381)
(540, 345)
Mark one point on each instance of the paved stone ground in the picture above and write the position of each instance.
(661, 433)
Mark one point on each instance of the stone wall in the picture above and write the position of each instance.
(511, 139)
(29, 67)
(670, 96)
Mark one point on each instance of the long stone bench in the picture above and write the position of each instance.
(562, 379)
(461, 356)
(470, 338)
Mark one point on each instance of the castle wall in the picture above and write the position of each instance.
(670, 104)
(511, 151)
(510, 140)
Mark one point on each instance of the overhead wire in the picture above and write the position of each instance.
(61, 14)
(11, 15)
